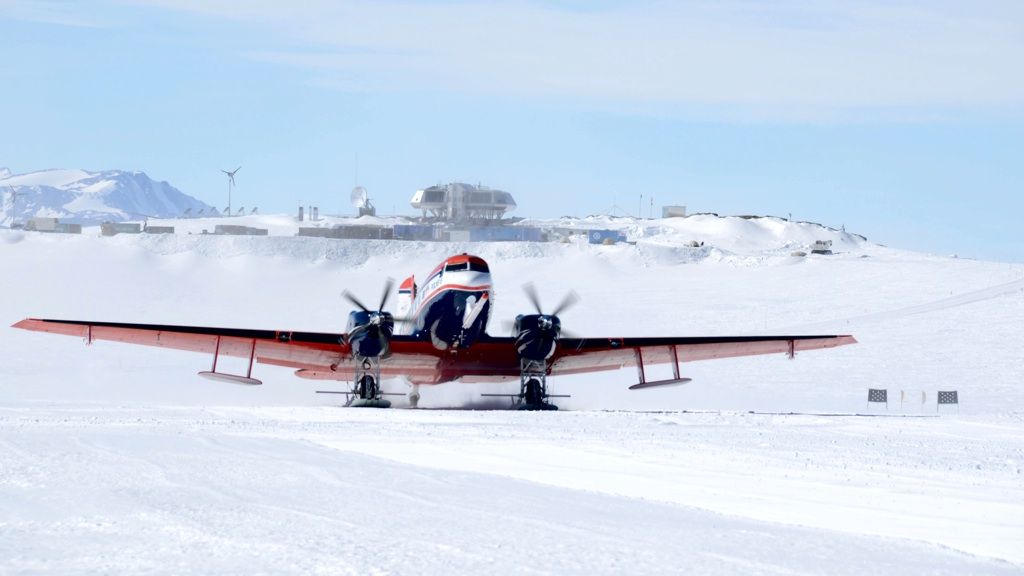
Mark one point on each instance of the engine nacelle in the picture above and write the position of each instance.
(537, 335)
(369, 333)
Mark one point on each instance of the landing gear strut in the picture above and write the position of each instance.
(366, 392)
(533, 386)
(414, 396)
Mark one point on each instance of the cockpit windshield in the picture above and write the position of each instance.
(475, 266)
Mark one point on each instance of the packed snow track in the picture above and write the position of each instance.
(322, 490)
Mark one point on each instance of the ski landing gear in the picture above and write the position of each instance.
(533, 395)
(533, 388)
(366, 392)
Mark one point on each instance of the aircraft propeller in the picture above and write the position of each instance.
(571, 299)
(375, 316)
(537, 334)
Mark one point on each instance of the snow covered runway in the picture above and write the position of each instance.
(326, 490)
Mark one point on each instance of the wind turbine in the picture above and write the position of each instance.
(14, 206)
(231, 184)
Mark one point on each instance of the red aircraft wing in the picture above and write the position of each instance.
(494, 359)
(319, 355)
(312, 354)
(582, 355)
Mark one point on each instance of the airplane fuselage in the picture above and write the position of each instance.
(453, 305)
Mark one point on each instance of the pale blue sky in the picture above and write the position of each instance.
(902, 120)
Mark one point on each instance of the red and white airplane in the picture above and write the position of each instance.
(444, 339)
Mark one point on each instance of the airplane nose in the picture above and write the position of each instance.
(477, 279)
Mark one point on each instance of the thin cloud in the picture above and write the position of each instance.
(780, 59)
(71, 14)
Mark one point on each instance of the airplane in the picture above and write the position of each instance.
(445, 339)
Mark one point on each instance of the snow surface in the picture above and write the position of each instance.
(118, 459)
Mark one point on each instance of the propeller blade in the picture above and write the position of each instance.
(569, 301)
(508, 326)
(237, 169)
(531, 295)
(351, 298)
(388, 285)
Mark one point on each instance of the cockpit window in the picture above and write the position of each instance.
(463, 266)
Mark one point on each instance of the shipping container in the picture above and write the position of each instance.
(112, 228)
(506, 234)
(486, 235)
(422, 232)
(317, 232)
(63, 228)
(159, 230)
(41, 224)
(234, 230)
(533, 234)
(363, 232)
(605, 236)
(350, 232)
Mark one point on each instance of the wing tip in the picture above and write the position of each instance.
(26, 324)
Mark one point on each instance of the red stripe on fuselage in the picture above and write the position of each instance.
(459, 287)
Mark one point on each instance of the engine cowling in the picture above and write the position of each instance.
(369, 333)
(537, 336)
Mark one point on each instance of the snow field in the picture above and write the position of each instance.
(119, 459)
(322, 490)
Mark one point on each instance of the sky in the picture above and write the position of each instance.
(900, 120)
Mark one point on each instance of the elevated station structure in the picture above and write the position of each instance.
(458, 202)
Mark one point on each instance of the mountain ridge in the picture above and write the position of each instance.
(90, 198)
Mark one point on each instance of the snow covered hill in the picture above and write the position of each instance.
(83, 197)
(116, 458)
